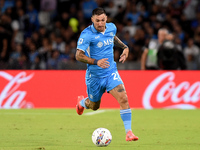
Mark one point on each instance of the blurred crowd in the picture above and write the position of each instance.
(42, 34)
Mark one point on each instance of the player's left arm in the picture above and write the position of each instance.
(125, 48)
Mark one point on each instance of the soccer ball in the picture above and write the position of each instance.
(101, 137)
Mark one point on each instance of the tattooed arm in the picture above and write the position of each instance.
(80, 56)
(125, 48)
(119, 43)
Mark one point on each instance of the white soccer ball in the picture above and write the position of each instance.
(101, 137)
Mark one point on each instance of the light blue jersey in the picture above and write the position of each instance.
(98, 45)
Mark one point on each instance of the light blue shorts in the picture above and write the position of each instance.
(97, 86)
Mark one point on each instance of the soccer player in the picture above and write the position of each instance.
(95, 47)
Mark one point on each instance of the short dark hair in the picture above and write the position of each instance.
(98, 11)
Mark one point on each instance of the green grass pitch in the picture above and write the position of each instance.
(63, 129)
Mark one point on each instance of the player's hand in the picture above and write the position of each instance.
(103, 63)
(124, 55)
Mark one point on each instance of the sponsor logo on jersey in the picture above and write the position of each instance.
(97, 37)
(108, 41)
(100, 44)
(105, 42)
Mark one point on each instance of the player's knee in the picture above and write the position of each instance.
(95, 107)
(124, 99)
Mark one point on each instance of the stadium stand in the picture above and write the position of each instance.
(42, 34)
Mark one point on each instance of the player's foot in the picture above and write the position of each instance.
(131, 137)
(79, 108)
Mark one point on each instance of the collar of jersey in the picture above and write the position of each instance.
(93, 28)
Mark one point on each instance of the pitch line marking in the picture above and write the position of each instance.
(36, 113)
(94, 112)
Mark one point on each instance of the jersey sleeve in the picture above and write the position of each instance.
(83, 41)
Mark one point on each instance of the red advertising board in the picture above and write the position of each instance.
(59, 89)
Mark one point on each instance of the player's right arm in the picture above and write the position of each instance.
(144, 59)
(80, 56)
(82, 46)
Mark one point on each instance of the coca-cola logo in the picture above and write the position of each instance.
(11, 96)
(164, 90)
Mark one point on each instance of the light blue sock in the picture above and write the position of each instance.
(82, 102)
(126, 118)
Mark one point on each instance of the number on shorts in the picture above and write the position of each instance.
(116, 76)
